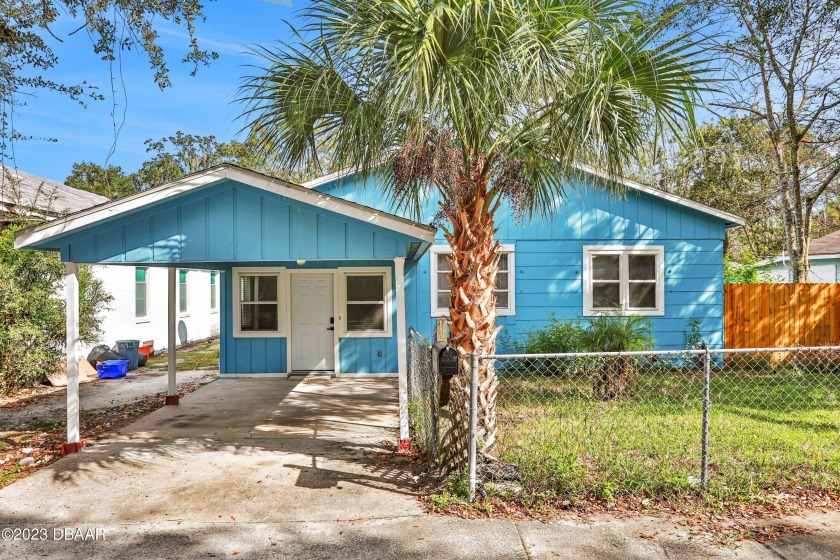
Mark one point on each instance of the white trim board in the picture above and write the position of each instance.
(624, 251)
(670, 197)
(80, 220)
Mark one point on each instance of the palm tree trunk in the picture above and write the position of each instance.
(472, 311)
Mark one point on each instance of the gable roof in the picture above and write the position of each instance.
(30, 193)
(730, 220)
(39, 234)
(825, 245)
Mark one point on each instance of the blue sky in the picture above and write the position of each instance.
(196, 105)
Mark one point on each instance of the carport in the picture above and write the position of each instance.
(308, 283)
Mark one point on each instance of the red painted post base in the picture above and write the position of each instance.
(404, 445)
(172, 399)
(68, 448)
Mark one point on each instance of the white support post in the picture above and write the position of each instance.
(71, 302)
(402, 360)
(172, 320)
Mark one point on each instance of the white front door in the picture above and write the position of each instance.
(313, 347)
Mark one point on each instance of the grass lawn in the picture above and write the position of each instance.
(202, 355)
(771, 430)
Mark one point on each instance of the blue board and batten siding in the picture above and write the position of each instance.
(226, 224)
(549, 257)
(268, 355)
(230, 222)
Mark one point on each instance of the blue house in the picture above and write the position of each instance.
(324, 277)
(646, 251)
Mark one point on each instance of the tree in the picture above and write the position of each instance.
(181, 154)
(746, 271)
(784, 58)
(110, 182)
(727, 166)
(32, 325)
(478, 103)
(113, 26)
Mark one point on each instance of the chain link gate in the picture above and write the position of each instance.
(422, 394)
(733, 422)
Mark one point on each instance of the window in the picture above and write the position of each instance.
(182, 291)
(628, 279)
(366, 295)
(258, 302)
(214, 292)
(140, 292)
(505, 304)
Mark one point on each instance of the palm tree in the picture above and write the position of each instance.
(479, 102)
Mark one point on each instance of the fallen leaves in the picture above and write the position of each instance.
(41, 439)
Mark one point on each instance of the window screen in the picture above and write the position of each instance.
(366, 303)
(442, 290)
(258, 303)
(627, 279)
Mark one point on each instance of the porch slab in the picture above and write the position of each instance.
(257, 450)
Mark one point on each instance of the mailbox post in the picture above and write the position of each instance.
(446, 364)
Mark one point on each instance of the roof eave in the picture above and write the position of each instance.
(37, 235)
(729, 220)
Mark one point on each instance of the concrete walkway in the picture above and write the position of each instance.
(302, 469)
(98, 394)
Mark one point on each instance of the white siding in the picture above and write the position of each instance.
(120, 322)
(819, 273)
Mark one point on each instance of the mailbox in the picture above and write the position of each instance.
(448, 363)
(445, 361)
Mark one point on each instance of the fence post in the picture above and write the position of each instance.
(473, 422)
(707, 381)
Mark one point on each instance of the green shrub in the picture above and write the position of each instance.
(32, 324)
(611, 332)
(556, 337)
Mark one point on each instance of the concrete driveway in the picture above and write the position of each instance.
(268, 468)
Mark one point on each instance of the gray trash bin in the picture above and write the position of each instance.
(131, 350)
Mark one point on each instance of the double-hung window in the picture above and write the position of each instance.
(258, 302)
(505, 295)
(627, 280)
(366, 301)
(141, 292)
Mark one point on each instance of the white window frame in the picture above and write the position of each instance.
(144, 318)
(214, 292)
(510, 250)
(624, 251)
(343, 273)
(186, 285)
(280, 274)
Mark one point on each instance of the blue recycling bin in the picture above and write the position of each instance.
(131, 350)
(112, 369)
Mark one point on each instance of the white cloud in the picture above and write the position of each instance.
(279, 2)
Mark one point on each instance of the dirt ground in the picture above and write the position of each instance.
(33, 422)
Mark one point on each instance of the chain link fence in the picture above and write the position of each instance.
(734, 424)
(422, 394)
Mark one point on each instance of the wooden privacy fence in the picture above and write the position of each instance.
(781, 315)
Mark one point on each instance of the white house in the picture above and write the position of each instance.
(139, 309)
(140, 305)
(823, 255)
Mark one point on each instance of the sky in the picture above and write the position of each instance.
(201, 105)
